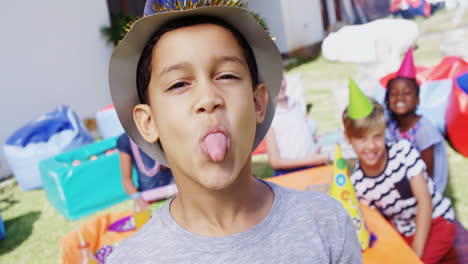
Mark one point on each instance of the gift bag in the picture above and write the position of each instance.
(48, 135)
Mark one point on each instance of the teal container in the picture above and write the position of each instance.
(79, 190)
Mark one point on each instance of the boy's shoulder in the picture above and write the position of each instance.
(402, 152)
(310, 216)
(399, 145)
(399, 150)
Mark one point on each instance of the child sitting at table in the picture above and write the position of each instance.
(290, 141)
(151, 174)
(392, 178)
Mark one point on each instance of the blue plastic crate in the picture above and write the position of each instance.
(77, 191)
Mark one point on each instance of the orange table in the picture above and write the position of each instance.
(95, 233)
(389, 247)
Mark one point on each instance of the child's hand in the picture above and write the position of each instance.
(324, 159)
(420, 191)
(316, 150)
(315, 158)
(140, 204)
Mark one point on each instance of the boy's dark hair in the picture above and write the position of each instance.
(389, 85)
(144, 64)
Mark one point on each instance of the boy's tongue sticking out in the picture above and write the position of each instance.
(215, 146)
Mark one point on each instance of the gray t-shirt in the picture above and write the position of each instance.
(301, 227)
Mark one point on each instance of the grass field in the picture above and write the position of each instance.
(34, 227)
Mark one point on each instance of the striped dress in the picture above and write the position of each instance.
(390, 192)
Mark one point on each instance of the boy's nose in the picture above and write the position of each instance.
(371, 144)
(208, 98)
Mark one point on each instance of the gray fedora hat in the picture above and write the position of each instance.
(124, 62)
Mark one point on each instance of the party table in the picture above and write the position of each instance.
(389, 246)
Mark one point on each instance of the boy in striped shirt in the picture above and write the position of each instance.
(392, 178)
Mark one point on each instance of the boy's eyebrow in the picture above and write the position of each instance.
(182, 65)
(230, 59)
(173, 67)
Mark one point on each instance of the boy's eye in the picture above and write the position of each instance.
(178, 85)
(227, 77)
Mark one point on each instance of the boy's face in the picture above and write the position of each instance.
(203, 108)
(370, 148)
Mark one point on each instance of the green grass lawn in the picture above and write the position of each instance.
(34, 227)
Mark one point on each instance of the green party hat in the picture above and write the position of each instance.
(359, 105)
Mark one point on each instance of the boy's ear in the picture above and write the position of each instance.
(144, 121)
(260, 101)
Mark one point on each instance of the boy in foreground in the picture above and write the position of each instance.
(207, 81)
(392, 178)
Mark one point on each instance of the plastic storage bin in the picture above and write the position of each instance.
(85, 180)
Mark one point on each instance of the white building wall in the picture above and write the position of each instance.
(293, 23)
(271, 12)
(331, 12)
(303, 23)
(51, 52)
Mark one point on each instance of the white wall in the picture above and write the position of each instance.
(270, 11)
(51, 53)
(293, 23)
(331, 12)
(303, 22)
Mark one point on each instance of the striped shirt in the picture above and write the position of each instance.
(390, 192)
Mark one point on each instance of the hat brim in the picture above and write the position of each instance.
(124, 62)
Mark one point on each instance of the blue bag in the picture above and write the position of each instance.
(47, 136)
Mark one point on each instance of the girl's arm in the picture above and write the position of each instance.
(277, 162)
(126, 169)
(423, 214)
(127, 180)
(428, 157)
